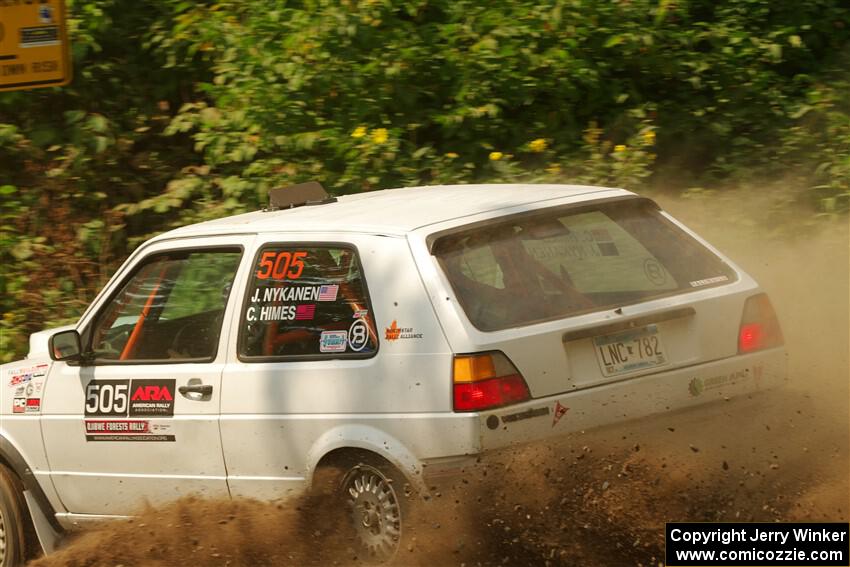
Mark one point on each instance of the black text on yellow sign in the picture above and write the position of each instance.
(34, 47)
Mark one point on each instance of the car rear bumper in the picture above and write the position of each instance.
(677, 389)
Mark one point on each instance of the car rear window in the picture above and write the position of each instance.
(547, 265)
(306, 301)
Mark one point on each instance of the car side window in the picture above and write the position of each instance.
(170, 309)
(306, 301)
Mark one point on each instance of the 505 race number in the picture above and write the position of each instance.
(107, 398)
(281, 265)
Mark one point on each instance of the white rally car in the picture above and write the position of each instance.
(390, 336)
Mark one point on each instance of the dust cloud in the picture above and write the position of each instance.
(600, 497)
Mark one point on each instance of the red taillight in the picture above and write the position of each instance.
(487, 381)
(759, 326)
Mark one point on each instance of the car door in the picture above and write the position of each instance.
(139, 421)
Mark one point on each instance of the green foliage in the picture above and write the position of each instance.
(185, 111)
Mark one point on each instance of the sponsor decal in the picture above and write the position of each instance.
(24, 375)
(695, 387)
(328, 292)
(19, 405)
(709, 281)
(576, 245)
(558, 412)
(360, 313)
(152, 398)
(130, 398)
(527, 414)
(654, 272)
(20, 379)
(395, 333)
(123, 430)
(333, 341)
(305, 312)
(699, 385)
(358, 335)
(33, 405)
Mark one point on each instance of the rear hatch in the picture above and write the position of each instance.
(586, 294)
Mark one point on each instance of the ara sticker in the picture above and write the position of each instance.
(333, 341)
(558, 412)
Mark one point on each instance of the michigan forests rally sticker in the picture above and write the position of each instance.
(125, 430)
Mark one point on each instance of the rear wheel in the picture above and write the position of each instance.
(377, 501)
(11, 520)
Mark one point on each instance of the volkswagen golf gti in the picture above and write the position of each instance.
(389, 338)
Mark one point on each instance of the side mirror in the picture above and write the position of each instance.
(65, 346)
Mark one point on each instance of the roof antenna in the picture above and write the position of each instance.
(302, 194)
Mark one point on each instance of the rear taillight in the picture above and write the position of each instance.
(759, 326)
(486, 381)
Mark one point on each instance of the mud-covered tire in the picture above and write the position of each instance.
(378, 502)
(12, 539)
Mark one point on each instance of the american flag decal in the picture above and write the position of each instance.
(305, 312)
(328, 292)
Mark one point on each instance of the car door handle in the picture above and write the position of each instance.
(196, 391)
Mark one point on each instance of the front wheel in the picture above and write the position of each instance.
(11, 521)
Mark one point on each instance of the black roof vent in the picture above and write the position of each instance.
(302, 194)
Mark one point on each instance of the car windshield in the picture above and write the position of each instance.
(542, 266)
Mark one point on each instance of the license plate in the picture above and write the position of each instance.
(629, 351)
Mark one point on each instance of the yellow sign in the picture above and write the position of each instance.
(33, 44)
